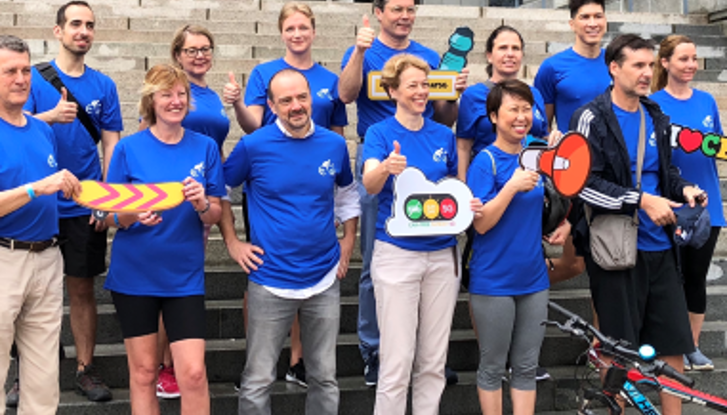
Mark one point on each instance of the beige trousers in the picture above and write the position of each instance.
(31, 308)
(416, 293)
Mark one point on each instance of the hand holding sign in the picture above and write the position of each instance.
(424, 208)
(523, 180)
(396, 162)
(366, 35)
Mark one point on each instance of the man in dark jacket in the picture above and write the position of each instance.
(644, 304)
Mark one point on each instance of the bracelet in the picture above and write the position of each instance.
(116, 220)
(31, 192)
(206, 208)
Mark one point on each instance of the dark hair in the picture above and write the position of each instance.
(575, 5)
(14, 43)
(61, 15)
(380, 4)
(512, 87)
(615, 49)
(286, 71)
(666, 51)
(490, 45)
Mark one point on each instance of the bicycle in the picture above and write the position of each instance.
(630, 369)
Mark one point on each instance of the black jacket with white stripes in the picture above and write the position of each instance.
(610, 187)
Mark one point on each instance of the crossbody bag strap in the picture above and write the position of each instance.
(49, 73)
(640, 155)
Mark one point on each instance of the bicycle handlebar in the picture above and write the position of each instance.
(615, 348)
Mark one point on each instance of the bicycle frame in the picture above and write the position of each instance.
(673, 388)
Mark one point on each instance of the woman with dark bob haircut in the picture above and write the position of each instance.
(508, 277)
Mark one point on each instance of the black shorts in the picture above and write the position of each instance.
(643, 305)
(83, 249)
(184, 317)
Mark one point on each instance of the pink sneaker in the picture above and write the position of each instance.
(167, 387)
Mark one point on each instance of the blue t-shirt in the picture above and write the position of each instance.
(207, 115)
(568, 81)
(651, 236)
(473, 123)
(28, 154)
(328, 110)
(699, 113)
(290, 183)
(166, 260)
(508, 259)
(432, 149)
(77, 152)
(371, 112)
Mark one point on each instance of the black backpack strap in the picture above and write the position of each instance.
(48, 72)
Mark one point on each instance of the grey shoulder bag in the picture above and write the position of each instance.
(613, 237)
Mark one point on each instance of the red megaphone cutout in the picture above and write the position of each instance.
(568, 164)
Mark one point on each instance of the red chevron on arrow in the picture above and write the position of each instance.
(113, 194)
(161, 195)
(137, 194)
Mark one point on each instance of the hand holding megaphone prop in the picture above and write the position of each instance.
(568, 164)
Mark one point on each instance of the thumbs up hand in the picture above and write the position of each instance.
(232, 91)
(396, 162)
(365, 36)
(65, 111)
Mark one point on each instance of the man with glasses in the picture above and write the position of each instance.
(396, 20)
(83, 111)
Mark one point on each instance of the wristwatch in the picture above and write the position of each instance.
(206, 207)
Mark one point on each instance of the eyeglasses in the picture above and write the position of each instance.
(192, 52)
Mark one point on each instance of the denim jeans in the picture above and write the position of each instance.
(269, 321)
(368, 328)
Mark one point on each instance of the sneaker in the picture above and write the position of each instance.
(90, 385)
(371, 370)
(541, 374)
(698, 361)
(687, 364)
(167, 387)
(451, 376)
(296, 374)
(13, 396)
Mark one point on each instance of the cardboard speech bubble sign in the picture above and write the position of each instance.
(424, 208)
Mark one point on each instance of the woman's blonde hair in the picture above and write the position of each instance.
(391, 74)
(160, 78)
(292, 8)
(666, 51)
(180, 36)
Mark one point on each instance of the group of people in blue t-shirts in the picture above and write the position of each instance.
(299, 187)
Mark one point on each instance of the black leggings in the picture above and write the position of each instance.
(695, 265)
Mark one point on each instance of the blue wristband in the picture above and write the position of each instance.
(116, 220)
(31, 192)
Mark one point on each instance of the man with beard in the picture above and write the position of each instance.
(90, 95)
(290, 169)
(31, 301)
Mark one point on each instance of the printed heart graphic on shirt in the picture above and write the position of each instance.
(690, 140)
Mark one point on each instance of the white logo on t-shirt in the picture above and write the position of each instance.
(538, 115)
(652, 139)
(52, 161)
(223, 112)
(94, 108)
(325, 93)
(708, 122)
(327, 167)
(440, 155)
(197, 170)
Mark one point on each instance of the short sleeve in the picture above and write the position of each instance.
(453, 158)
(111, 119)
(339, 118)
(544, 82)
(540, 124)
(717, 121)
(214, 177)
(375, 145)
(256, 92)
(471, 108)
(117, 172)
(345, 176)
(481, 177)
(237, 166)
(346, 57)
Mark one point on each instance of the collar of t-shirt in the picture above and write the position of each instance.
(308, 134)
